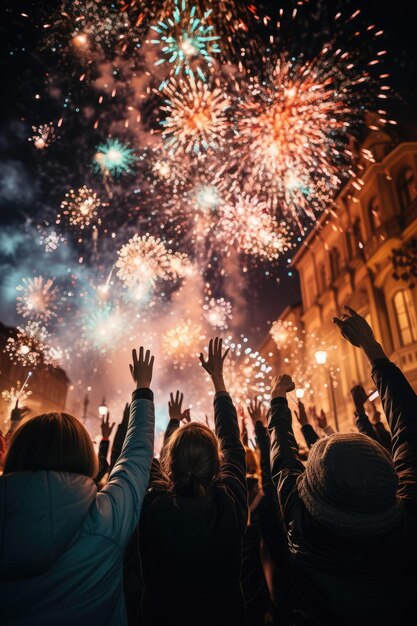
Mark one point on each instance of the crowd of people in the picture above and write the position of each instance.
(214, 531)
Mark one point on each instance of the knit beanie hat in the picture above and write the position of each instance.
(350, 486)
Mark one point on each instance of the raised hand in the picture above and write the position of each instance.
(214, 363)
(175, 408)
(18, 413)
(301, 414)
(282, 385)
(257, 411)
(321, 420)
(106, 428)
(142, 368)
(359, 397)
(357, 331)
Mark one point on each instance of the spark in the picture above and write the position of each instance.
(50, 240)
(218, 313)
(146, 259)
(104, 326)
(114, 158)
(195, 116)
(294, 126)
(247, 224)
(246, 372)
(43, 136)
(27, 347)
(12, 396)
(182, 341)
(186, 41)
(37, 299)
(81, 208)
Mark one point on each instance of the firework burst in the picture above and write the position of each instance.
(43, 136)
(246, 372)
(218, 313)
(114, 158)
(182, 341)
(186, 41)
(145, 260)
(247, 224)
(28, 346)
(294, 128)
(37, 299)
(103, 327)
(195, 116)
(81, 208)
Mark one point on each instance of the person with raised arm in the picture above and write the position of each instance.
(62, 543)
(309, 434)
(350, 513)
(194, 518)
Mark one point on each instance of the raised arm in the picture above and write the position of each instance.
(286, 465)
(103, 449)
(233, 470)
(398, 400)
(363, 424)
(308, 431)
(119, 503)
(258, 416)
(176, 414)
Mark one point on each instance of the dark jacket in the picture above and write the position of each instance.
(353, 582)
(190, 548)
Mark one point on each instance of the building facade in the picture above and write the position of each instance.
(48, 385)
(346, 259)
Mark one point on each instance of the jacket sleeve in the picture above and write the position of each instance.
(233, 468)
(364, 426)
(119, 502)
(286, 465)
(400, 406)
(309, 435)
(263, 443)
(384, 436)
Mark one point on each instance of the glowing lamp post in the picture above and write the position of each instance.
(103, 409)
(321, 359)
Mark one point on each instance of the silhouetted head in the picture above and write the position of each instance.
(350, 486)
(191, 459)
(52, 442)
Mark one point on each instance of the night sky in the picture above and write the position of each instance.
(24, 68)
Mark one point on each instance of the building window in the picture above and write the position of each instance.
(406, 188)
(374, 212)
(405, 316)
(335, 262)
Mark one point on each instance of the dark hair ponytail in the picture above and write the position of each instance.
(191, 460)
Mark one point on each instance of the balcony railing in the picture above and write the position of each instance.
(392, 228)
(406, 358)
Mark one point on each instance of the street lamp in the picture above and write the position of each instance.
(103, 409)
(321, 359)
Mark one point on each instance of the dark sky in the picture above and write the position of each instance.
(267, 300)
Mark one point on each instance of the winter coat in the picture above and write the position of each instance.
(62, 543)
(190, 548)
(353, 581)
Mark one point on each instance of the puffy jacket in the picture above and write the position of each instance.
(62, 543)
(353, 581)
(190, 548)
